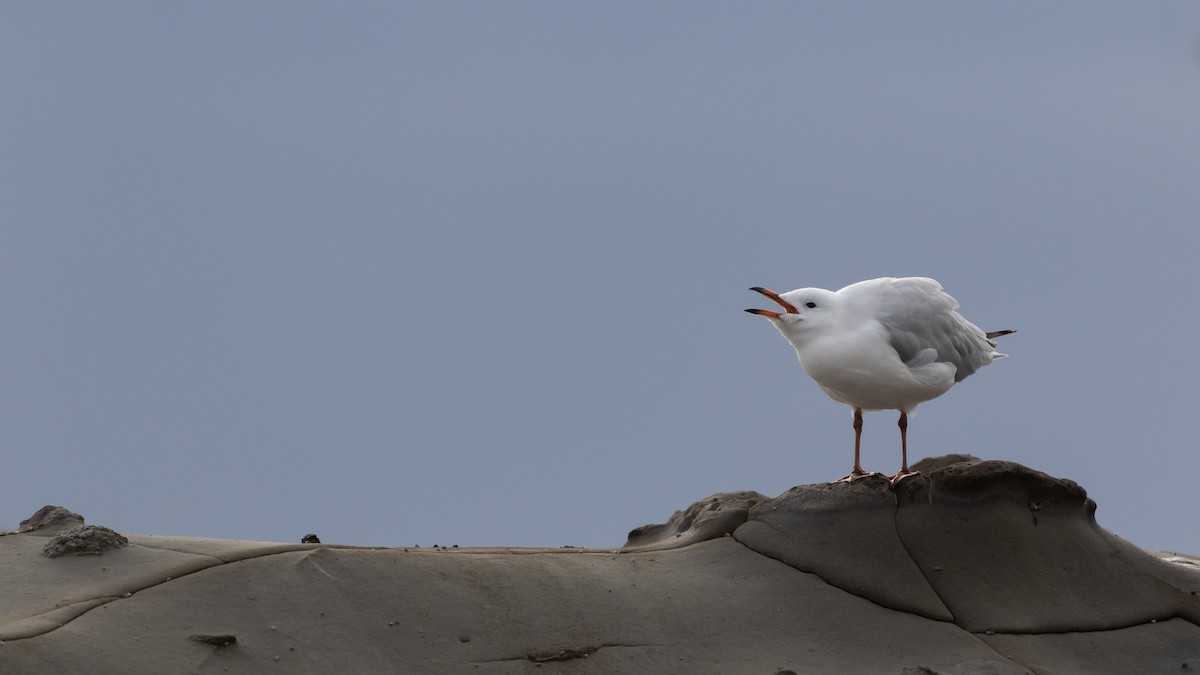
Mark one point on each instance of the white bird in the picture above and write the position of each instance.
(881, 344)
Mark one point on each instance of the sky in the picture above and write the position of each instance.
(473, 274)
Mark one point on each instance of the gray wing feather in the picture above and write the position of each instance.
(919, 316)
(956, 341)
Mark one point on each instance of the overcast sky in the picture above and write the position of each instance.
(473, 273)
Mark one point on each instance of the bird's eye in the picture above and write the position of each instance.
(810, 305)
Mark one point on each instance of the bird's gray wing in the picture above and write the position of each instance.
(954, 339)
(923, 327)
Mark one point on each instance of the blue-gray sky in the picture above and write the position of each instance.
(473, 273)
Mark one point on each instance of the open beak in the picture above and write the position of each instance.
(790, 309)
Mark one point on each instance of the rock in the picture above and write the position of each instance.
(1010, 549)
(972, 667)
(50, 520)
(975, 568)
(714, 516)
(988, 545)
(83, 540)
(845, 533)
(931, 463)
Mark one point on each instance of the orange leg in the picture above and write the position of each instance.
(858, 470)
(904, 472)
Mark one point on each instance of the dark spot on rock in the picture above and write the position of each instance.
(223, 640)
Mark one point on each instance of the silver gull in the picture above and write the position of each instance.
(881, 344)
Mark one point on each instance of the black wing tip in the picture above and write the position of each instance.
(999, 333)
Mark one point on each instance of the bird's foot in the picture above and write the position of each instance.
(895, 480)
(856, 475)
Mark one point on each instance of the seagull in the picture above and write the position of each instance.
(881, 344)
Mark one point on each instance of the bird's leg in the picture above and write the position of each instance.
(858, 470)
(904, 472)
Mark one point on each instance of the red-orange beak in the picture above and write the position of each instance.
(790, 309)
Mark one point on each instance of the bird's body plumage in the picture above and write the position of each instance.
(887, 343)
(882, 344)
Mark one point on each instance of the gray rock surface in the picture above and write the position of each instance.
(979, 567)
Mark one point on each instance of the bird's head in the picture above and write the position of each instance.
(805, 312)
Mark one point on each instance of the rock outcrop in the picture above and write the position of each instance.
(975, 567)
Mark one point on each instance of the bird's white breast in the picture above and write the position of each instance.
(859, 368)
